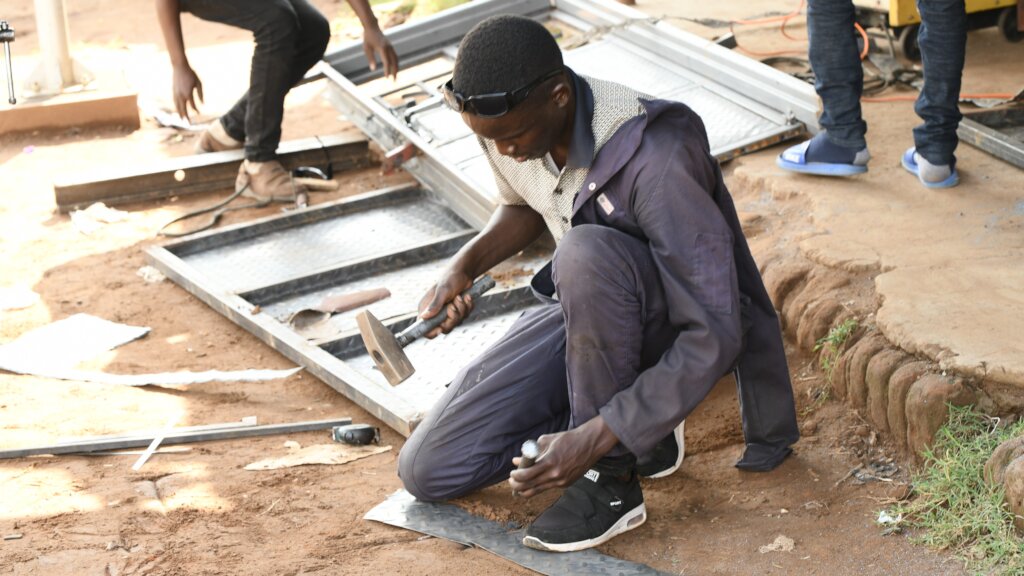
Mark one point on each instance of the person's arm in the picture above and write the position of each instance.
(186, 83)
(510, 230)
(374, 42)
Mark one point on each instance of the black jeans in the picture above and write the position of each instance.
(291, 36)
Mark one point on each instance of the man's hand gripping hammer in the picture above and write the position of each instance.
(386, 348)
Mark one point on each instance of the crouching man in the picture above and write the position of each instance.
(651, 297)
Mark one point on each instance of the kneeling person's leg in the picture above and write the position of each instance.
(616, 326)
(616, 316)
(514, 391)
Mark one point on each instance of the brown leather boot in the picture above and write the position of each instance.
(269, 181)
(216, 139)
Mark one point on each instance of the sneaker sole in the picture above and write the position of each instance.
(632, 519)
(681, 443)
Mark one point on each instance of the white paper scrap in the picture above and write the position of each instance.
(12, 298)
(53, 350)
(164, 378)
(95, 216)
(318, 454)
(65, 343)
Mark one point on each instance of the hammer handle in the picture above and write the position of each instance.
(420, 328)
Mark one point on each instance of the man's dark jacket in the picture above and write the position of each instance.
(656, 180)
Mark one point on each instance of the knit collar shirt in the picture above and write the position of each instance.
(601, 108)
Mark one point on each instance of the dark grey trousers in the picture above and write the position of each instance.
(611, 305)
(291, 36)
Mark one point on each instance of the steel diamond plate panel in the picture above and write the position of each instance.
(301, 250)
(440, 125)
(614, 60)
(450, 522)
(437, 361)
(463, 149)
(726, 121)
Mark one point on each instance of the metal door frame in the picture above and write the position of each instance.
(792, 102)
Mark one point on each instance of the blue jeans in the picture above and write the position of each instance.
(840, 78)
(291, 36)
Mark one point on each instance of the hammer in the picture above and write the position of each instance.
(386, 348)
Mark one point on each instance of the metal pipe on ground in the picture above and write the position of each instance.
(175, 437)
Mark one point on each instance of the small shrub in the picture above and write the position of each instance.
(831, 345)
(954, 507)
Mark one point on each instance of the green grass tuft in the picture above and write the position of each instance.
(831, 345)
(953, 506)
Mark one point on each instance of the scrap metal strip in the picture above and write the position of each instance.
(977, 134)
(489, 305)
(455, 524)
(173, 436)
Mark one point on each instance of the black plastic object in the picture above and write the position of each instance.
(356, 434)
(310, 172)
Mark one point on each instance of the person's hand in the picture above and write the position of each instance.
(445, 296)
(564, 458)
(186, 87)
(376, 44)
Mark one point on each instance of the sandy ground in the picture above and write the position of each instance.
(200, 512)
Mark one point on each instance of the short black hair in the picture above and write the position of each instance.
(504, 53)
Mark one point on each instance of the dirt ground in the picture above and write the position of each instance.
(200, 512)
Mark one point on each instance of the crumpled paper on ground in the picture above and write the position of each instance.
(15, 298)
(52, 351)
(318, 454)
(95, 216)
(781, 544)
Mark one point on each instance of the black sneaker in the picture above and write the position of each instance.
(602, 504)
(666, 457)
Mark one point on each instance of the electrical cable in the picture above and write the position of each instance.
(218, 210)
(874, 82)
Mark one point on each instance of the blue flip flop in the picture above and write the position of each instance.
(910, 164)
(794, 159)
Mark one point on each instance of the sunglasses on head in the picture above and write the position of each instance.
(495, 104)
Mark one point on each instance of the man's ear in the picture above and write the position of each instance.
(561, 93)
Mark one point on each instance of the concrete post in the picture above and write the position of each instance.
(56, 69)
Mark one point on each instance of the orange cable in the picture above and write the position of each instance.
(867, 44)
(784, 19)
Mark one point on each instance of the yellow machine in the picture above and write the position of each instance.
(903, 19)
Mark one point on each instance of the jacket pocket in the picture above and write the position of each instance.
(714, 286)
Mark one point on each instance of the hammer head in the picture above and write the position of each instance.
(380, 342)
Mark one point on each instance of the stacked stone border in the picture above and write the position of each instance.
(903, 396)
